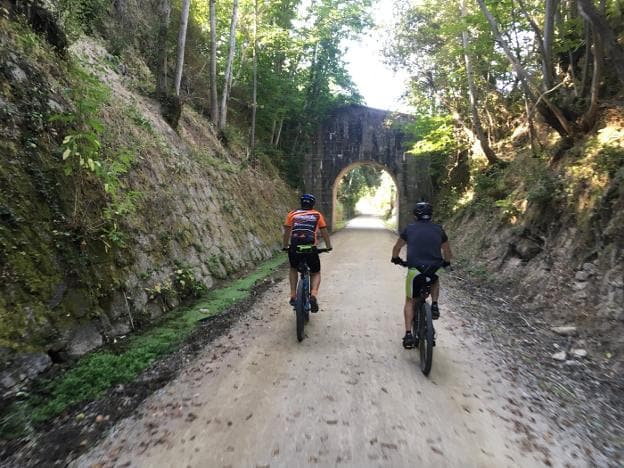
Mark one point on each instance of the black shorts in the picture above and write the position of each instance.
(312, 260)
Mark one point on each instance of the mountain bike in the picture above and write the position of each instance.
(422, 322)
(302, 300)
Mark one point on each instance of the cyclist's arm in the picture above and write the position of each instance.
(286, 236)
(396, 250)
(447, 254)
(325, 234)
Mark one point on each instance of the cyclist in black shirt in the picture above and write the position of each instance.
(428, 249)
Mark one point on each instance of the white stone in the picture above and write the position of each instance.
(565, 330)
(560, 356)
(18, 74)
(579, 353)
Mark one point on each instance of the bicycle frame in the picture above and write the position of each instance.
(304, 278)
(422, 324)
(302, 302)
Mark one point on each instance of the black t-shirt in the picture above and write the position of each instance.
(424, 242)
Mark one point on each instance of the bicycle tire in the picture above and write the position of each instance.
(300, 309)
(306, 303)
(426, 338)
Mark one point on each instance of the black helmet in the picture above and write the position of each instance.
(307, 201)
(423, 210)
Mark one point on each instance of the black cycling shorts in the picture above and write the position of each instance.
(311, 258)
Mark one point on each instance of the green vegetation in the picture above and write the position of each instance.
(84, 154)
(83, 16)
(431, 135)
(97, 372)
(300, 68)
(478, 95)
(354, 185)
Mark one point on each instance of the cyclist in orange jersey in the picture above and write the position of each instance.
(302, 227)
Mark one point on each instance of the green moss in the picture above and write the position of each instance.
(101, 370)
(216, 267)
(224, 297)
(23, 328)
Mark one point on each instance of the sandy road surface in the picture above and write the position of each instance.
(348, 395)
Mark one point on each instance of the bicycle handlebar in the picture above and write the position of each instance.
(446, 265)
(312, 250)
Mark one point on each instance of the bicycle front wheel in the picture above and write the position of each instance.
(300, 308)
(426, 338)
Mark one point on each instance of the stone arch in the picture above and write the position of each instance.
(345, 170)
(357, 135)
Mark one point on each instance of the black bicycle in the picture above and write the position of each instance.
(422, 321)
(302, 300)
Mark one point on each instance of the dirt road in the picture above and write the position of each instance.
(348, 395)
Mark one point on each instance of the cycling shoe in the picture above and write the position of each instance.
(435, 312)
(408, 341)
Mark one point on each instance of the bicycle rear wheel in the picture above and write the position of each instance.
(426, 338)
(300, 308)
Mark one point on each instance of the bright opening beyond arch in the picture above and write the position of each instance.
(365, 196)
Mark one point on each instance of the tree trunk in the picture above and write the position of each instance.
(254, 92)
(186, 5)
(279, 132)
(476, 120)
(531, 127)
(567, 127)
(601, 27)
(585, 73)
(214, 97)
(549, 34)
(589, 118)
(164, 12)
(273, 128)
(225, 94)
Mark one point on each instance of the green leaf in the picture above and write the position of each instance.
(66, 154)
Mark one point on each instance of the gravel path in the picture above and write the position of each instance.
(348, 395)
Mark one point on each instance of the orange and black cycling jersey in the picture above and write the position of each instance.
(304, 226)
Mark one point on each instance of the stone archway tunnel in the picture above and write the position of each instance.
(355, 135)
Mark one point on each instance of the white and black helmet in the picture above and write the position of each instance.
(307, 201)
(423, 210)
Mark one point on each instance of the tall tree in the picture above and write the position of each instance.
(164, 13)
(225, 93)
(254, 92)
(589, 117)
(214, 97)
(601, 27)
(186, 4)
(549, 34)
(566, 127)
(472, 95)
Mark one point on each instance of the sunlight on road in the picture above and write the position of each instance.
(366, 222)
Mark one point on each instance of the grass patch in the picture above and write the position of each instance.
(97, 372)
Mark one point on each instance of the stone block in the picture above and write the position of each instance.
(84, 339)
